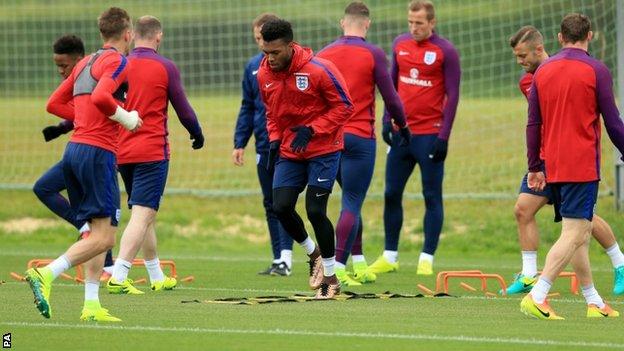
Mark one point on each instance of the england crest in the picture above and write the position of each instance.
(302, 81)
(430, 57)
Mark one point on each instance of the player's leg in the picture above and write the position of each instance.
(48, 189)
(575, 202)
(432, 175)
(399, 166)
(145, 183)
(602, 232)
(321, 175)
(361, 270)
(158, 280)
(266, 179)
(527, 205)
(288, 182)
(356, 169)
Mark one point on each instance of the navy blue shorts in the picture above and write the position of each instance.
(91, 179)
(575, 200)
(145, 182)
(320, 172)
(547, 192)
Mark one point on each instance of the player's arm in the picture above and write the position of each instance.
(452, 75)
(387, 89)
(273, 129)
(608, 109)
(245, 121)
(114, 73)
(59, 103)
(333, 90)
(183, 108)
(394, 76)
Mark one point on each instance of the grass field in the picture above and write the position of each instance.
(224, 249)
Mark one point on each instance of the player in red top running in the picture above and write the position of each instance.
(569, 92)
(426, 73)
(307, 105)
(95, 86)
(364, 66)
(528, 47)
(143, 157)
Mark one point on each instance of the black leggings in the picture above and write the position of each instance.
(284, 202)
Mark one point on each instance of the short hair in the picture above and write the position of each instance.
(69, 44)
(417, 5)
(262, 19)
(147, 27)
(575, 27)
(357, 8)
(526, 34)
(277, 29)
(113, 22)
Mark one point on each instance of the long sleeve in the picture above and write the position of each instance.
(180, 103)
(115, 70)
(452, 76)
(534, 131)
(334, 92)
(59, 103)
(608, 109)
(394, 75)
(387, 89)
(245, 121)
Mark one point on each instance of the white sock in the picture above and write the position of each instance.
(91, 290)
(59, 266)
(540, 290)
(153, 269)
(616, 256)
(109, 269)
(308, 246)
(425, 257)
(391, 256)
(286, 257)
(529, 263)
(592, 296)
(358, 258)
(339, 265)
(277, 260)
(121, 269)
(328, 266)
(85, 228)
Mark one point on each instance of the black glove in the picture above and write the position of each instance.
(406, 136)
(52, 132)
(439, 150)
(300, 143)
(198, 141)
(274, 148)
(386, 132)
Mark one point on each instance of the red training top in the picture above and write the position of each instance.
(91, 110)
(310, 92)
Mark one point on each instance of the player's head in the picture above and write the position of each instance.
(115, 26)
(421, 19)
(68, 50)
(356, 17)
(148, 32)
(528, 47)
(575, 29)
(277, 41)
(257, 24)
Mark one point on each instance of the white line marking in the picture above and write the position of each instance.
(282, 332)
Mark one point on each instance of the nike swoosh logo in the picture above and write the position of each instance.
(603, 314)
(403, 53)
(545, 314)
(320, 180)
(323, 194)
(268, 85)
(254, 72)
